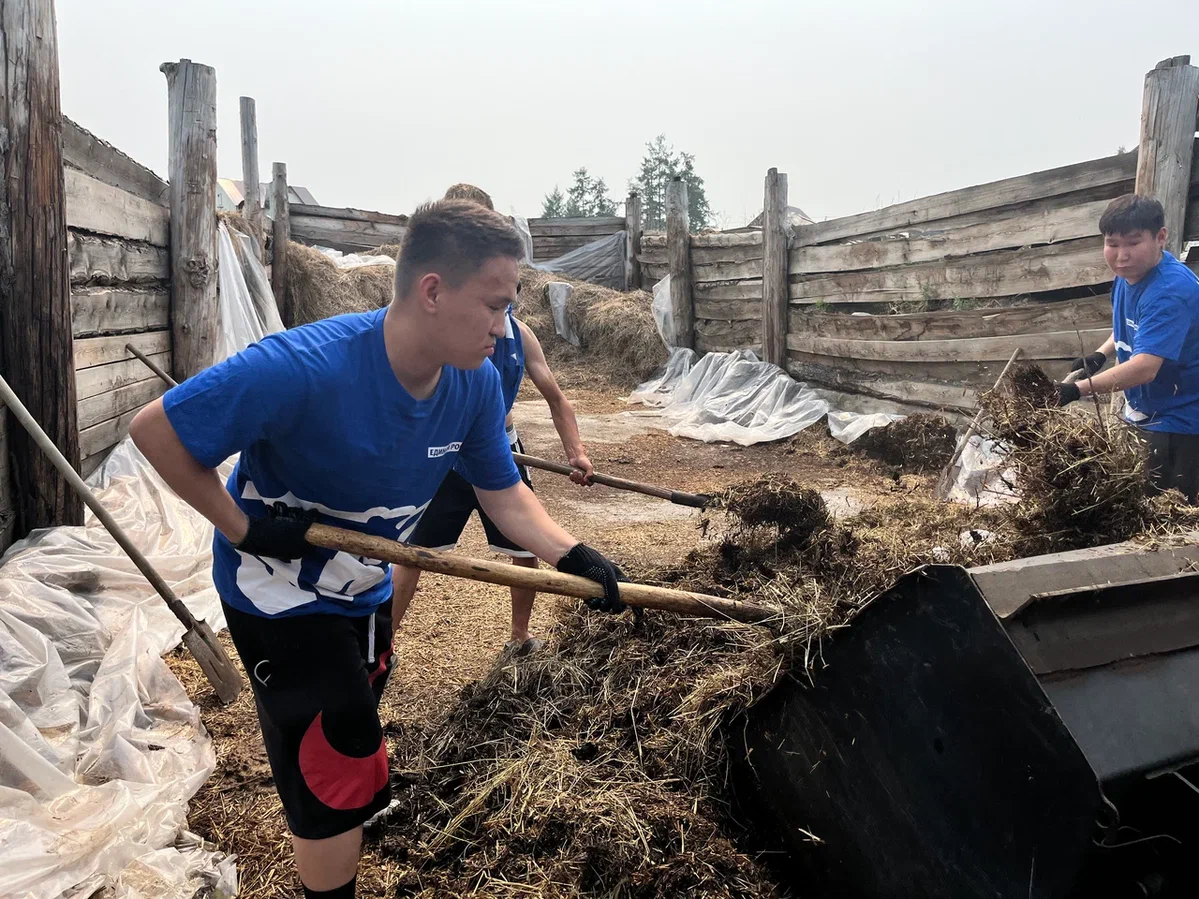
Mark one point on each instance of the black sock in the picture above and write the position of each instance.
(345, 891)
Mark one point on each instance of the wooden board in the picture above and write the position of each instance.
(92, 205)
(739, 333)
(728, 310)
(104, 378)
(1044, 226)
(347, 214)
(99, 436)
(1051, 345)
(108, 261)
(7, 509)
(92, 462)
(729, 290)
(926, 394)
(599, 226)
(1061, 315)
(340, 233)
(973, 375)
(100, 350)
(708, 255)
(655, 273)
(130, 398)
(1075, 263)
(95, 312)
(1191, 229)
(726, 271)
(738, 239)
(993, 195)
(101, 160)
(727, 344)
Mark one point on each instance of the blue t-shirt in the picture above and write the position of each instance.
(509, 360)
(322, 423)
(1159, 315)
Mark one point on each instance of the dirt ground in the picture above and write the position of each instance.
(455, 629)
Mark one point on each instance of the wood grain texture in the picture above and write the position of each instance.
(92, 205)
(729, 310)
(344, 234)
(750, 289)
(914, 391)
(280, 238)
(92, 462)
(599, 226)
(106, 261)
(114, 375)
(679, 246)
(195, 325)
(1051, 345)
(1167, 141)
(728, 271)
(103, 435)
(252, 210)
(347, 214)
(91, 351)
(101, 160)
(103, 406)
(35, 297)
(97, 312)
(773, 270)
(632, 226)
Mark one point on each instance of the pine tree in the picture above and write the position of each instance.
(554, 205)
(662, 163)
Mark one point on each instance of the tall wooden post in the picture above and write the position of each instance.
(195, 324)
(678, 251)
(1168, 139)
(632, 227)
(36, 351)
(774, 270)
(280, 237)
(249, 168)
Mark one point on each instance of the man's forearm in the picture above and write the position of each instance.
(199, 487)
(566, 423)
(523, 520)
(1109, 346)
(1140, 369)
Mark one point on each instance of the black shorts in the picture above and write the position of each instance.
(317, 691)
(1174, 462)
(447, 515)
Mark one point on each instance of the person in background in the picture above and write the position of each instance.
(1155, 341)
(516, 353)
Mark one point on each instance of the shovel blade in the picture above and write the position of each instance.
(220, 670)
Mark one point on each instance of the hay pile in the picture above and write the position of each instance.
(916, 444)
(318, 289)
(617, 330)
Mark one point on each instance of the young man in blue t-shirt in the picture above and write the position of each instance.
(352, 421)
(1155, 337)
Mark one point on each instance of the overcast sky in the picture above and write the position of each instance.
(381, 105)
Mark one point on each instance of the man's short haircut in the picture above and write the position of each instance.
(1130, 213)
(453, 238)
(469, 192)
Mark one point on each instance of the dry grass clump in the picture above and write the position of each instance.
(318, 289)
(617, 330)
(917, 444)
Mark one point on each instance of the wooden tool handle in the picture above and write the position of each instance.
(695, 500)
(540, 579)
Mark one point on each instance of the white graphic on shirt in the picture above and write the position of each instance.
(1132, 324)
(436, 452)
(1121, 345)
(273, 586)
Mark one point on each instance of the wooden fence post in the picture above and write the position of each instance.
(195, 324)
(678, 251)
(774, 270)
(632, 227)
(36, 350)
(280, 237)
(1167, 140)
(249, 167)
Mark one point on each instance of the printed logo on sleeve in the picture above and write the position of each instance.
(436, 452)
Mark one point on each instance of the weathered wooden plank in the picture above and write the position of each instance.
(91, 351)
(560, 245)
(101, 160)
(726, 271)
(1167, 141)
(8, 511)
(1075, 263)
(1043, 226)
(913, 390)
(993, 195)
(92, 462)
(654, 273)
(252, 206)
(966, 374)
(347, 214)
(728, 345)
(598, 225)
(92, 205)
(344, 232)
(632, 225)
(108, 261)
(707, 255)
(678, 244)
(744, 239)
(1061, 315)
(103, 406)
(772, 269)
(94, 439)
(653, 240)
(280, 238)
(742, 332)
(1052, 345)
(1191, 226)
(119, 311)
(729, 310)
(115, 375)
(729, 290)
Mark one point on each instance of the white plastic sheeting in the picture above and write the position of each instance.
(559, 294)
(600, 262)
(354, 260)
(247, 304)
(730, 397)
(526, 238)
(985, 476)
(849, 426)
(664, 314)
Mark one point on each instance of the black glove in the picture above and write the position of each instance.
(280, 535)
(1090, 364)
(586, 562)
(1067, 393)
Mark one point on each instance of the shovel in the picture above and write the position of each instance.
(695, 500)
(949, 474)
(640, 596)
(201, 642)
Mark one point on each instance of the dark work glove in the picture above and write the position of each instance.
(1067, 393)
(280, 535)
(1089, 364)
(586, 562)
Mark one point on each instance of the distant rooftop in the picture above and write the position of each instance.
(232, 194)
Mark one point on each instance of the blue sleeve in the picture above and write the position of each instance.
(485, 459)
(1163, 323)
(246, 398)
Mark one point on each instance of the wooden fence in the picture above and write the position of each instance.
(348, 230)
(558, 236)
(923, 301)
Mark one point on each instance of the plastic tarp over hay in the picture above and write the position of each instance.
(730, 397)
(100, 746)
(600, 262)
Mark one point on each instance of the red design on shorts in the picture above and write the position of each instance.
(382, 669)
(338, 780)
